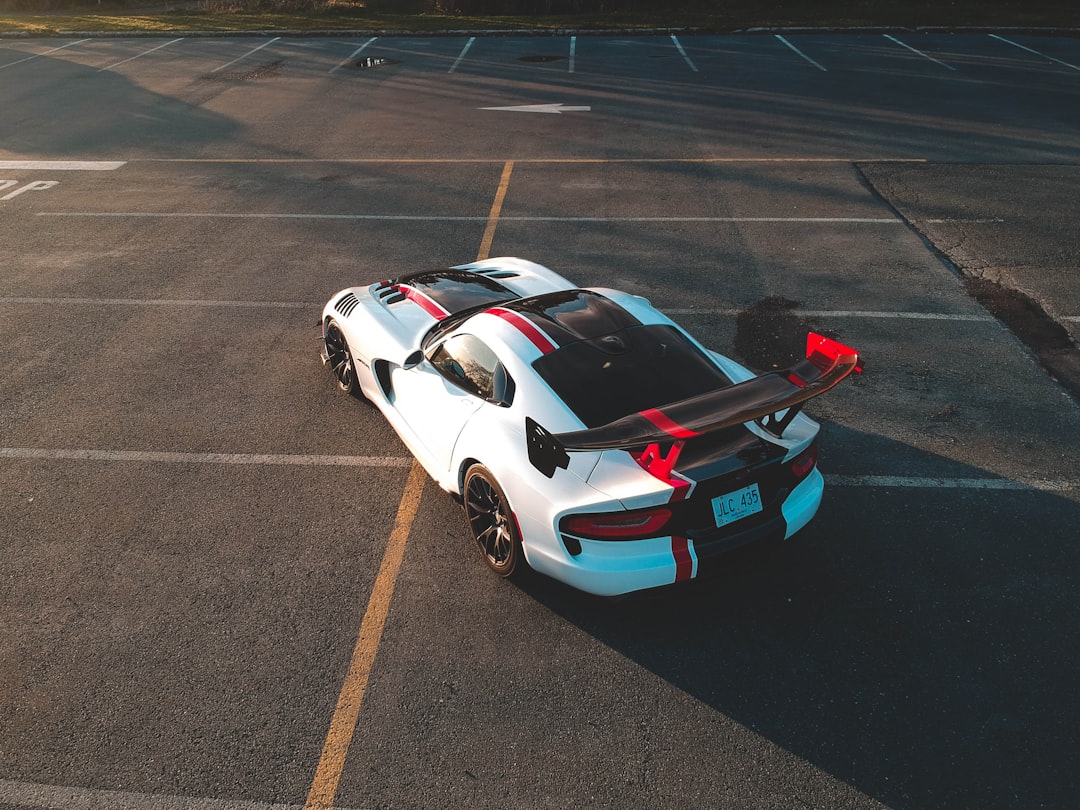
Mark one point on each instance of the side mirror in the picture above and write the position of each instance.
(413, 360)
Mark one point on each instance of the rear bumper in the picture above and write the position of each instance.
(607, 568)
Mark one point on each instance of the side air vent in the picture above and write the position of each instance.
(347, 303)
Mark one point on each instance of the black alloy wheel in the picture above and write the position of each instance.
(491, 523)
(341, 360)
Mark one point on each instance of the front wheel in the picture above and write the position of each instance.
(491, 523)
(340, 359)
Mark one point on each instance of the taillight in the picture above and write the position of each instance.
(803, 464)
(618, 525)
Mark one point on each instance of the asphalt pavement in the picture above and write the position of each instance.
(195, 524)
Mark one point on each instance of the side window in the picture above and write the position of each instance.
(468, 362)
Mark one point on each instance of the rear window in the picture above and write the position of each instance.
(640, 367)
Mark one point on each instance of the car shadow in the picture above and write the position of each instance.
(918, 644)
(57, 107)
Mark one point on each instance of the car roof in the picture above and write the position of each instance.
(603, 361)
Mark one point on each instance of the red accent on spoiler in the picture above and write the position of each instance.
(656, 464)
(823, 352)
(660, 419)
(523, 325)
(422, 301)
(660, 467)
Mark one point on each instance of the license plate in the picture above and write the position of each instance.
(736, 505)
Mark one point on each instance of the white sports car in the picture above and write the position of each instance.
(584, 432)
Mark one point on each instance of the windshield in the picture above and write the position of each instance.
(456, 290)
(448, 323)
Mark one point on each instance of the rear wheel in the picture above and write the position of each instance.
(341, 359)
(492, 524)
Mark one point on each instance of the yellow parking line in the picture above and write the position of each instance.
(343, 723)
(496, 209)
(324, 786)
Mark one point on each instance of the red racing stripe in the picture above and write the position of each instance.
(684, 563)
(523, 325)
(672, 428)
(425, 303)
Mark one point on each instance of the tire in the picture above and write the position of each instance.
(340, 359)
(491, 523)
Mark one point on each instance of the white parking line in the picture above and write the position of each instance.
(961, 221)
(158, 302)
(559, 161)
(403, 462)
(257, 459)
(352, 56)
(63, 165)
(682, 53)
(315, 305)
(930, 482)
(240, 215)
(800, 53)
(43, 53)
(1032, 50)
(809, 220)
(917, 51)
(245, 56)
(844, 313)
(461, 55)
(912, 316)
(136, 56)
(422, 218)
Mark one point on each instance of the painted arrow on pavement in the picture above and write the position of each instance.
(556, 108)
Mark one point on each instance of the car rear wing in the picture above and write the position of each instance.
(771, 400)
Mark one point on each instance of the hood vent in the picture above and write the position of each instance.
(391, 293)
(495, 272)
(347, 303)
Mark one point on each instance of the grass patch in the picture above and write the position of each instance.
(716, 16)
